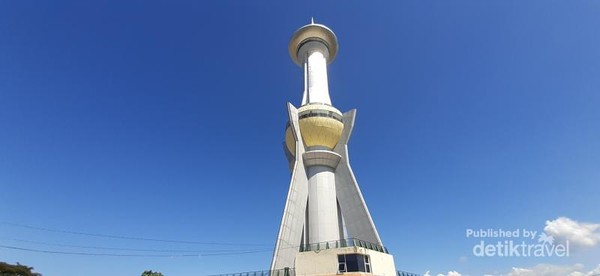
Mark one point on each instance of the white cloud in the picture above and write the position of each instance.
(427, 273)
(450, 273)
(596, 271)
(553, 270)
(577, 233)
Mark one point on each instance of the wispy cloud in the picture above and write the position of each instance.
(553, 270)
(450, 273)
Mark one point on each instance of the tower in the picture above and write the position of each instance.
(326, 227)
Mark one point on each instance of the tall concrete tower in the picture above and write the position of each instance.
(326, 227)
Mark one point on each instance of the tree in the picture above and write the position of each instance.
(16, 270)
(148, 273)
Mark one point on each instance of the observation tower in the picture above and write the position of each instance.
(326, 227)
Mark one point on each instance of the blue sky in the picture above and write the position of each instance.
(166, 120)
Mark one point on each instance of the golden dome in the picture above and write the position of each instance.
(320, 125)
(290, 142)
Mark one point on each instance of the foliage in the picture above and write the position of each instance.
(149, 273)
(16, 270)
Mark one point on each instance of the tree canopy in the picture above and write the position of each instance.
(148, 273)
(16, 270)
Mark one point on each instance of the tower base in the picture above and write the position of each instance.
(348, 261)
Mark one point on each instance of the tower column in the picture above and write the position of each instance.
(323, 221)
(322, 205)
(316, 86)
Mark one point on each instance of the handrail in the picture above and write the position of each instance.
(342, 243)
(404, 273)
(277, 272)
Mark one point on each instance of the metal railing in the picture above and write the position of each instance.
(292, 272)
(342, 243)
(404, 273)
(278, 272)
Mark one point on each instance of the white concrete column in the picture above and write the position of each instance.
(323, 223)
(316, 86)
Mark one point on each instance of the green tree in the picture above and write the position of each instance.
(148, 273)
(16, 270)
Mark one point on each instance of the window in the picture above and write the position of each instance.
(354, 263)
(342, 263)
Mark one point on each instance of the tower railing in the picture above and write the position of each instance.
(341, 244)
(292, 272)
(404, 273)
(278, 272)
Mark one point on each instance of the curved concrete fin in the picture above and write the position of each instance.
(294, 213)
(357, 218)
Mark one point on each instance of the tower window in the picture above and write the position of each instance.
(354, 263)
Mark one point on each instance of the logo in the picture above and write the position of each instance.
(516, 243)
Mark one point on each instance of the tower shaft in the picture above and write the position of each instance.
(322, 223)
(316, 86)
(322, 205)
